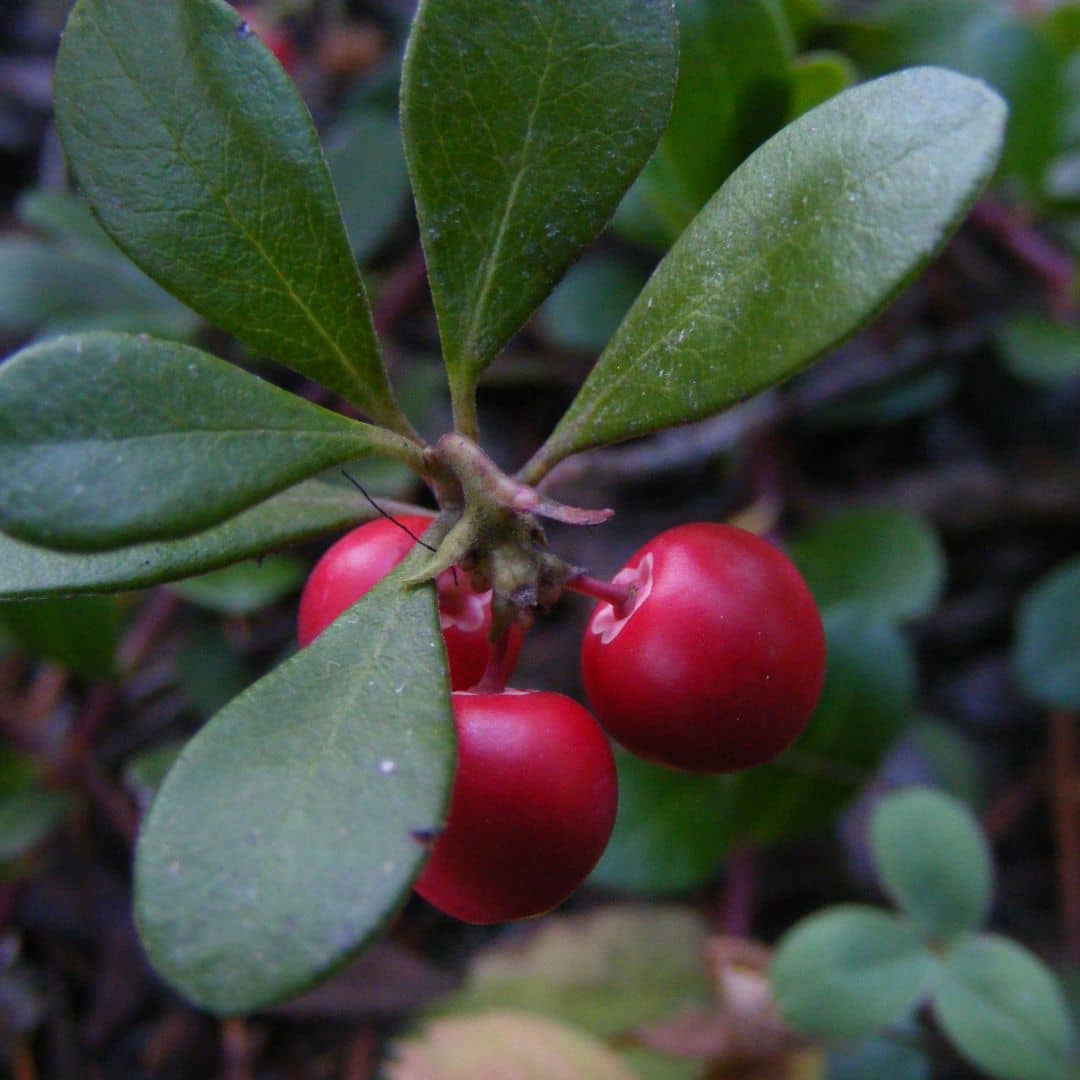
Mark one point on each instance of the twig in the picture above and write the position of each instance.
(1048, 263)
(1065, 801)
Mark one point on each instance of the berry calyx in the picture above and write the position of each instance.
(362, 558)
(715, 659)
(532, 807)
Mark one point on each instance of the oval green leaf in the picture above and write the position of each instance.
(933, 860)
(732, 94)
(818, 76)
(56, 288)
(301, 513)
(590, 302)
(201, 161)
(671, 830)
(867, 699)
(806, 241)
(524, 124)
(1004, 1010)
(29, 811)
(245, 588)
(848, 971)
(879, 1056)
(1048, 639)
(1040, 351)
(80, 633)
(285, 836)
(888, 560)
(110, 439)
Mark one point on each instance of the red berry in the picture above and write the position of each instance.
(274, 36)
(532, 807)
(720, 660)
(362, 558)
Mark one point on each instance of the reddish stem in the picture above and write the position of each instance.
(1038, 254)
(499, 668)
(738, 896)
(1065, 799)
(618, 596)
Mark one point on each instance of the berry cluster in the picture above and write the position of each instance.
(705, 653)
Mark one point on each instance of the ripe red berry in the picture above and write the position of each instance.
(719, 661)
(273, 35)
(362, 558)
(531, 811)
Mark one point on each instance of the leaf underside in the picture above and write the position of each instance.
(285, 836)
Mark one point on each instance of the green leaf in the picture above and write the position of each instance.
(732, 94)
(818, 76)
(985, 41)
(79, 633)
(878, 1056)
(145, 772)
(1048, 639)
(211, 671)
(933, 860)
(109, 439)
(284, 836)
(845, 972)
(589, 303)
(914, 394)
(671, 830)
(301, 513)
(952, 759)
(888, 560)
(868, 697)
(607, 970)
(53, 288)
(1004, 1010)
(201, 161)
(245, 588)
(524, 124)
(367, 162)
(65, 218)
(29, 812)
(806, 241)
(503, 1042)
(1040, 351)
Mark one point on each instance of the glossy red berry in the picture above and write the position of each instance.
(531, 811)
(274, 36)
(719, 660)
(362, 558)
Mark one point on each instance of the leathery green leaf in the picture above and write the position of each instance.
(301, 513)
(111, 439)
(201, 161)
(312, 785)
(808, 239)
(524, 124)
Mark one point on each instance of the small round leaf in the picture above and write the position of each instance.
(1048, 639)
(845, 972)
(1004, 1010)
(934, 860)
(887, 559)
(671, 832)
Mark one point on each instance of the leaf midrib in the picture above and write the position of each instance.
(494, 258)
(336, 350)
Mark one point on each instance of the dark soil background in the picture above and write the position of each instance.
(994, 465)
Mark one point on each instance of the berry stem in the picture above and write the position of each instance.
(499, 668)
(618, 596)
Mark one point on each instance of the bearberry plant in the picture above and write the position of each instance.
(293, 826)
